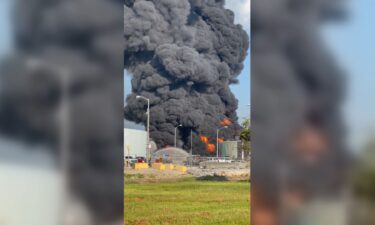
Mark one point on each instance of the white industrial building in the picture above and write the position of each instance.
(135, 142)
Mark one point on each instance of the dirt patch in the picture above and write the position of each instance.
(153, 175)
(220, 174)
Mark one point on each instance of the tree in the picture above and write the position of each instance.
(245, 136)
(364, 185)
(364, 179)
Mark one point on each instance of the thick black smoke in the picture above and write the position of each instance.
(183, 55)
(297, 92)
(81, 39)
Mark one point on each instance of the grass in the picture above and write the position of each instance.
(187, 202)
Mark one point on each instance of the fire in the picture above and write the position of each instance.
(226, 122)
(204, 139)
(220, 140)
(211, 148)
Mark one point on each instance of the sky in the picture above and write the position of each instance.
(241, 9)
(352, 44)
(5, 26)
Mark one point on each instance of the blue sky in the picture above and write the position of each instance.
(241, 9)
(5, 26)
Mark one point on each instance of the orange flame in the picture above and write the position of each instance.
(211, 148)
(204, 139)
(220, 140)
(226, 122)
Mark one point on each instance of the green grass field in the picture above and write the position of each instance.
(188, 202)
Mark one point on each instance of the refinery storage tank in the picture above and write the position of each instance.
(229, 149)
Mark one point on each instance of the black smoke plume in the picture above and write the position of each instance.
(183, 55)
(84, 39)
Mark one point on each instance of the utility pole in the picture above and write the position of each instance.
(191, 147)
(175, 135)
(191, 142)
(148, 154)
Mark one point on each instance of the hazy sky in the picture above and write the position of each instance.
(352, 44)
(5, 26)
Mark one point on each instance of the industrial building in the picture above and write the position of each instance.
(135, 142)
